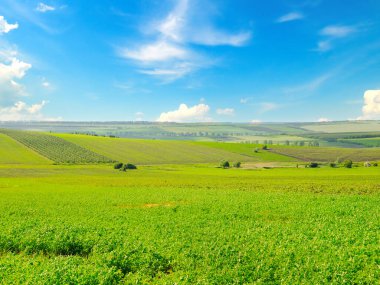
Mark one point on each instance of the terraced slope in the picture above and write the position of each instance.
(161, 152)
(329, 154)
(55, 148)
(12, 152)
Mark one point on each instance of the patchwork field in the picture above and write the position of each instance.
(188, 225)
(162, 152)
(326, 154)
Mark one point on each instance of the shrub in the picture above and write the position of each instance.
(224, 164)
(237, 164)
(256, 150)
(265, 147)
(118, 165)
(131, 166)
(375, 164)
(347, 163)
(313, 164)
(332, 164)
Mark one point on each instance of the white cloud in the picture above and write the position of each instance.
(324, 120)
(226, 111)
(290, 17)
(43, 8)
(170, 53)
(5, 27)
(244, 100)
(46, 84)
(10, 71)
(256, 122)
(197, 113)
(159, 51)
(371, 107)
(324, 46)
(20, 111)
(337, 31)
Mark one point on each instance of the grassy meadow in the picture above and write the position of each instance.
(179, 218)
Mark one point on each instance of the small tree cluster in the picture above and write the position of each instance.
(347, 163)
(313, 165)
(226, 164)
(124, 166)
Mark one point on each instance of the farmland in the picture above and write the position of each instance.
(186, 224)
(181, 219)
(54, 148)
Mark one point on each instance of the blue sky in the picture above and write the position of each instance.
(190, 60)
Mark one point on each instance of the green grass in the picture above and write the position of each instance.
(368, 142)
(12, 152)
(326, 154)
(54, 148)
(188, 225)
(165, 152)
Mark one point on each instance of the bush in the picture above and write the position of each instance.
(332, 164)
(265, 147)
(237, 164)
(131, 166)
(375, 164)
(313, 164)
(347, 163)
(118, 165)
(224, 164)
(256, 150)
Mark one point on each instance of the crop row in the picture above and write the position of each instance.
(56, 149)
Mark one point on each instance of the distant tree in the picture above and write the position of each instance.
(237, 164)
(224, 164)
(375, 164)
(130, 166)
(256, 150)
(347, 163)
(332, 164)
(118, 165)
(313, 164)
(287, 142)
(265, 147)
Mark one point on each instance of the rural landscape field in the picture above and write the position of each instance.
(69, 217)
(224, 142)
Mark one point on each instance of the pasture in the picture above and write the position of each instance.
(193, 224)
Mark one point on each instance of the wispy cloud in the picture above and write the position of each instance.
(331, 34)
(43, 8)
(293, 16)
(226, 111)
(310, 86)
(196, 113)
(5, 27)
(169, 53)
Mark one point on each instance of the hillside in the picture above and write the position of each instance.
(157, 152)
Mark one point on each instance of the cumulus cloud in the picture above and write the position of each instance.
(226, 111)
(170, 53)
(5, 27)
(290, 17)
(21, 111)
(324, 120)
(43, 8)
(197, 113)
(371, 107)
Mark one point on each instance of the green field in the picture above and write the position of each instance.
(328, 154)
(161, 152)
(54, 148)
(180, 219)
(188, 225)
(12, 152)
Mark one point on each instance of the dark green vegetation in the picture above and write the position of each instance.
(188, 225)
(54, 148)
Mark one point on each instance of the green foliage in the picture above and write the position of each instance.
(332, 164)
(375, 164)
(265, 147)
(237, 164)
(224, 164)
(55, 148)
(313, 165)
(130, 166)
(118, 165)
(348, 163)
